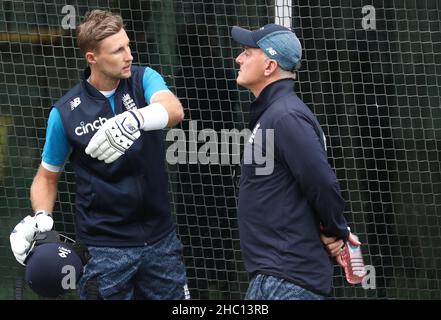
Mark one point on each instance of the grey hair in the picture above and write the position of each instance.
(286, 74)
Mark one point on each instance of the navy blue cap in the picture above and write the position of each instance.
(277, 42)
(51, 267)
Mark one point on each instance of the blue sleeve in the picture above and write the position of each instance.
(152, 82)
(56, 148)
(301, 149)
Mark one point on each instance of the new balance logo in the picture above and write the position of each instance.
(128, 102)
(271, 51)
(75, 103)
(63, 252)
(186, 292)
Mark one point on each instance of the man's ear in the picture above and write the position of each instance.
(90, 57)
(270, 67)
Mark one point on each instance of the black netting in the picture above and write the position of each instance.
(375, 92)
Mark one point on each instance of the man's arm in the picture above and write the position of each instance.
(43, 194)
(301, 149)
(119, 133)
(172, 105)
(44, 190)
(163, 107)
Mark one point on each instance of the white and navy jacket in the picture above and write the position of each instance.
(124, 203)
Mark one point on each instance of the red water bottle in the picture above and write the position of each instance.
(353, 263)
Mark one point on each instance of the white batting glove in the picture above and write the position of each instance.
(115, 136)
(23, 234)
(43, 221)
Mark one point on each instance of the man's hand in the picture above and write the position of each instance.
(115, 136)
(23, 234)
(333, 246)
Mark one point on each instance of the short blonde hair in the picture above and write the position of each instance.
(96, 26)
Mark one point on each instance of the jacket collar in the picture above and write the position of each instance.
(94, 92)
(269, 94)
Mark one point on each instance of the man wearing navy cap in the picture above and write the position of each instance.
(281, 212)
